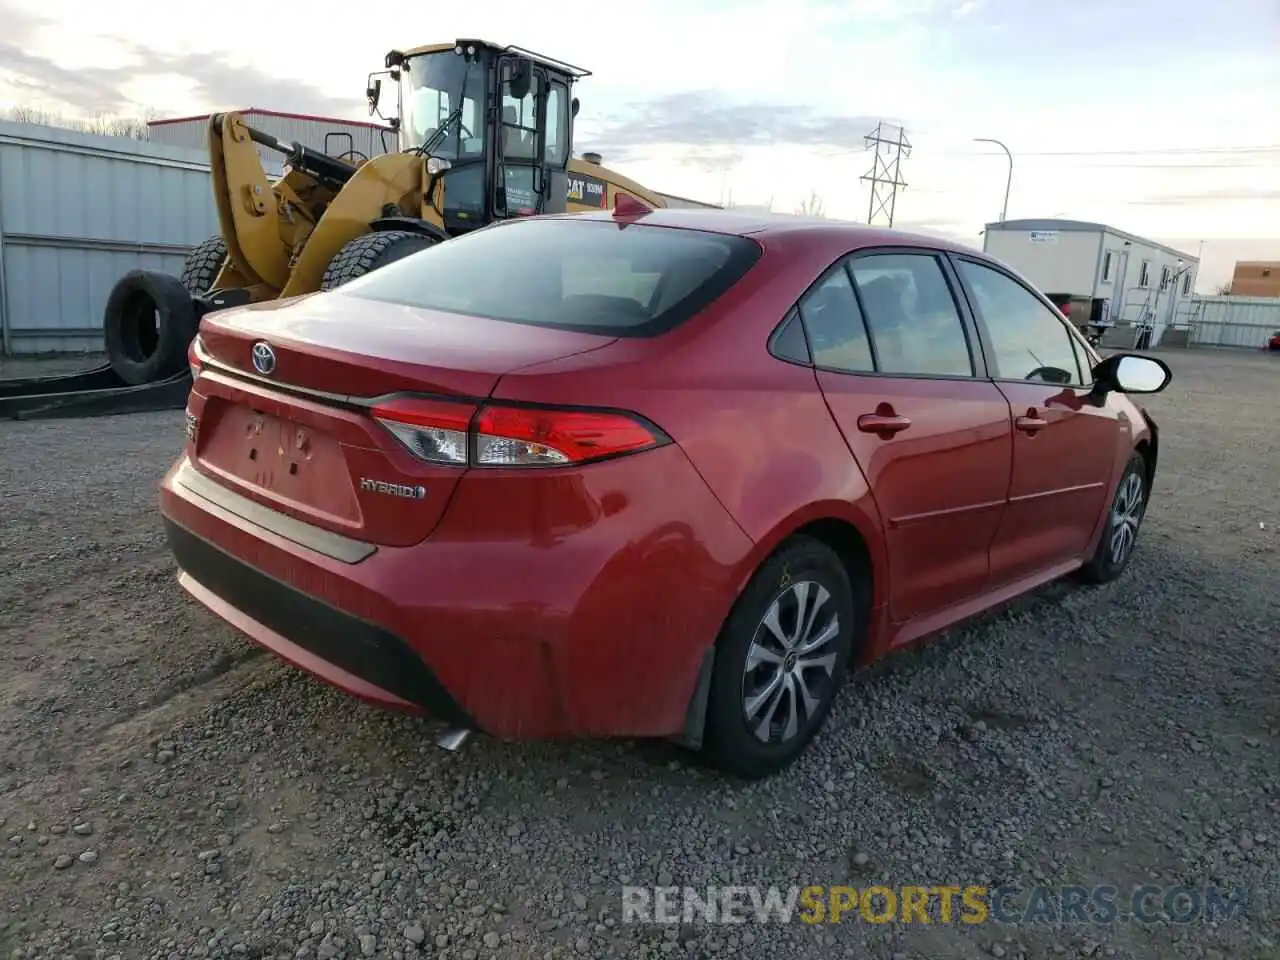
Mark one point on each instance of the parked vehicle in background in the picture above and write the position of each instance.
(651, 474)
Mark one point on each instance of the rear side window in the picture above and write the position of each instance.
(914, 322)
(630, 280)
(834, 322)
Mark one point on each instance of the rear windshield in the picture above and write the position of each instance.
(596, 276)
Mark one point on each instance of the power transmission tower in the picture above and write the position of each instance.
(885, 173)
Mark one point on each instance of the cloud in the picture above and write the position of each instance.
(215, 81)
(1209, 196)
(711, 124)
(712, 159)
(954, 229)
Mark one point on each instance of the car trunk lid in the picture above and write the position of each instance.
(295, 432)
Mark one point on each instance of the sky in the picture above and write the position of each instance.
(1155, 116)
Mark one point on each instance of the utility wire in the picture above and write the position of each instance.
(1169, 151)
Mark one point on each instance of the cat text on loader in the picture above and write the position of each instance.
(484, 132)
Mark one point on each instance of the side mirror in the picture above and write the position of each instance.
(1130, 373)
(374, 93)
(521, 78)
(574, 106)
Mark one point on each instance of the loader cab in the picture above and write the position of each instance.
(502, 119)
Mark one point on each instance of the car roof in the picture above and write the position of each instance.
(763, 226)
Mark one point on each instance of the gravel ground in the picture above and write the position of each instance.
(166, 791)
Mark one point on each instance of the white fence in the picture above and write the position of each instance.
(1229, 321)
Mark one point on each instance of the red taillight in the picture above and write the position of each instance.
(494, 435)
(520, 436)
(1066, 309)
(432, 430)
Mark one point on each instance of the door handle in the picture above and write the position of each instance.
(883, 424)
(1030, 423)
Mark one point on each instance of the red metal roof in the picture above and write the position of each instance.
(274, 113)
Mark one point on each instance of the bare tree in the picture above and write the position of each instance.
(102, 124)
(812, 206)
(1223, 290)
(107, 125)
(45, 118)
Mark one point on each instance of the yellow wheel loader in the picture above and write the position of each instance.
(484, 133)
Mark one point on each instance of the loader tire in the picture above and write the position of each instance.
(370, 251)
(148, 324)
(203, 265)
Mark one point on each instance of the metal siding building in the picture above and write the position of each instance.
(365, 138)
(1095, 261)
(77, 211)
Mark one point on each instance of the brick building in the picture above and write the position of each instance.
(1256, 278)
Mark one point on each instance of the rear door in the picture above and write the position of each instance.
(1063, 443)
(905, 381)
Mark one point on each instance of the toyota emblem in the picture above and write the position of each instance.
(264, 358)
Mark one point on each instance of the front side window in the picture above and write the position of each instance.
(1083, 361)
(1028, 340)
(595, 276)
(915, 326)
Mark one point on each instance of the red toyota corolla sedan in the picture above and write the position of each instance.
(659, 475)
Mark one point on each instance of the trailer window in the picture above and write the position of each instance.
(589, 275)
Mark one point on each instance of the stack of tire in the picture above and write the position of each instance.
(150, 318)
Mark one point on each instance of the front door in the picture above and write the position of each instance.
(521, 126)
(1064, 445)
(930, 433)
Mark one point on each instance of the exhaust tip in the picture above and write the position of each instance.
(452, 740)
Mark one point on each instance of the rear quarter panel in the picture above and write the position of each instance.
(757, 429)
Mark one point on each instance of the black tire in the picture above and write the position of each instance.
(203, 265)
(148, 324)
(1107, 562)
(370, 251)
(730, 741)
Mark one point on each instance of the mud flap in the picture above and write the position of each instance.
(695, 718)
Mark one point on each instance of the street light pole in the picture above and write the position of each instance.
(1004, 211)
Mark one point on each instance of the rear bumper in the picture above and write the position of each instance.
(351, 653)
(593, 631)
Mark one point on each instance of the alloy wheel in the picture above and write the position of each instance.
(1126, 514)
(790, 663)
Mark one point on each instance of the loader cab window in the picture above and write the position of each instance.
(557, 151)
(519, 122)
(520, 178)
(432, 87)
